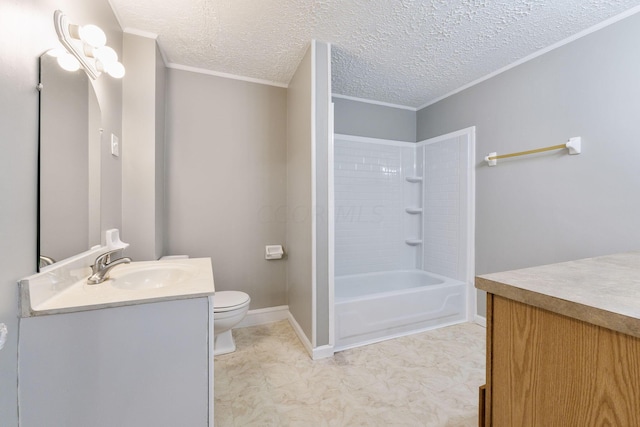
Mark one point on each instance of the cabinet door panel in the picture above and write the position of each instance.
(551, 370)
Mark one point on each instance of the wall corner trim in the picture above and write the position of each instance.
(225, 75)
(371, 101)
(141, 33)
(323, 352)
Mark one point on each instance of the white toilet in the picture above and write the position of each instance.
(229, 308)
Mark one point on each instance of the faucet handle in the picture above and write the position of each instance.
(104, 259)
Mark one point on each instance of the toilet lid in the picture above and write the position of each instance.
(225, 300)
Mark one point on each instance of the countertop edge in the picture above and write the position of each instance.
(596, 316)
(77, 309)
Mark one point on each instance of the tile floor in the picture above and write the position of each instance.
(426, 379)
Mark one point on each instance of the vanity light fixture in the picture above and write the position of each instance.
(66, 61)
(86, 46)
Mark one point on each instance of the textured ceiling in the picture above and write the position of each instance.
(406, 52)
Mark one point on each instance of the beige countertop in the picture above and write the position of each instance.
(604, 291)
(64, 289)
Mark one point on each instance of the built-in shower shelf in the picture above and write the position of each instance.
(414, 211)
(413, 178)
(413, 242)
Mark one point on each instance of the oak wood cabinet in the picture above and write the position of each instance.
(546, 368)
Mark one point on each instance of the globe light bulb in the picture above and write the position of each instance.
(106, 55)
(92, 35)
(68, 62)
(116, 70)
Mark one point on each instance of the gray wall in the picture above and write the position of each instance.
(322, 100)
(226, 179)
(375, 121)
(299, 195)
(142, 148)
(553, 207)
(26, 31)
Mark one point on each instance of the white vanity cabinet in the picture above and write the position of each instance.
(130, 366)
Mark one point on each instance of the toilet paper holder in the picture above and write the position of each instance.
(273, 252)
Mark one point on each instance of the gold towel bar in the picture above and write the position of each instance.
(574, 145)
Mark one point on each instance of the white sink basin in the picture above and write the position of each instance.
(134, 278)
(64, 288)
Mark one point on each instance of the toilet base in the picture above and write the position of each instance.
(223, 343)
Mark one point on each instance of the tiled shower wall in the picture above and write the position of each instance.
(370, 199)
(442, 208)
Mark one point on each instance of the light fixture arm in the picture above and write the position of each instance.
(76, 48)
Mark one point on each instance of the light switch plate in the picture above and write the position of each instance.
(3, 335)
(115, 146)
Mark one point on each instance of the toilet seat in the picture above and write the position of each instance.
(229, 301)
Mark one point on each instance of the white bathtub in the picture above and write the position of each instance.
(377, 306)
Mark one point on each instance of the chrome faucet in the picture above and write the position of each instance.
(44, 261)
(103, 265)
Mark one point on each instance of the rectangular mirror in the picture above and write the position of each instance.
(69, 163)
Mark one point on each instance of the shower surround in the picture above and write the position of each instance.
(403, 235)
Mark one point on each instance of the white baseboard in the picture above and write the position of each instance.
(323, 352)
(262, 316)
(300, 333)
(315, 353)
